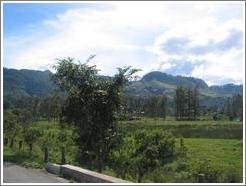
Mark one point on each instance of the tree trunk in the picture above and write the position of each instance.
(123, 174)
(30, 147)
(20, 144)
(11, 143)
(46, 155)
(140, 175)
(99, 163)
(140, 178)
(6, 140)
(63, 156)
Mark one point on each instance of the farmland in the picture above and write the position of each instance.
(214, 143)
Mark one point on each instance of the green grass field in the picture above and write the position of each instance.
(172, 121)
(224, 154)
(214, 143)
(222, 129)
(223, 157)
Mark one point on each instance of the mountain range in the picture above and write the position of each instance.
(21, 83)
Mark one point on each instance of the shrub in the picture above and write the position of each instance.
(211, 174)
(232, 176)
(31, 135)
(143, 151)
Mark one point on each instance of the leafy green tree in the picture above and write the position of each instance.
(143, 151)
(186, 103)
(45, 108)
(24, 117)
(195, 102)
(10, 127)
(47, 141)
(209, 173)
(161, 105)
(154, 106)
(233, 107)
(35, 107)
(228, 109)
(91, 105)
(64, 140)
(50, 106)
(15, 121)
(31, 134)
(179, 103)
(237, 106)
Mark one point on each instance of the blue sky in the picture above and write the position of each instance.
(18, 17)
(202, 39)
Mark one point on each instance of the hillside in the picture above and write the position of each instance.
(158, 83)
(174, 80)
(26, 82)
(21, 83)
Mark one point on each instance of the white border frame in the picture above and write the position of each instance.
(112, 2)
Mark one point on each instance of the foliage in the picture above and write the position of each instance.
(91, 105)
(11, 126)
(213, 158)
(155, 106)
(10, 123)
(225, 155)
(143, 151)
(186, 103)
(234, 107)
(31, 135)
(50, 106)
(22, 158)
(211, 174)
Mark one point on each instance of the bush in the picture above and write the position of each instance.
(211, 174)
(31, 135)
(184, 177)
(143, 151)
(232, 176)
(22, 158)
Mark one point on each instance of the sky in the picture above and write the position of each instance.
(198, 39)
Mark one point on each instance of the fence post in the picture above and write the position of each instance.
(46, 154)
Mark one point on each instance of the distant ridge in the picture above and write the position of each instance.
(27, 82)
(174, 80)
(21, 83)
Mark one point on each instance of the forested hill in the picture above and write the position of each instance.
(174, 80)
(26, 82)
(21, 83)
(155, 83)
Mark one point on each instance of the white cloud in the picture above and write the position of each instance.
(132, 33)
(215, 49)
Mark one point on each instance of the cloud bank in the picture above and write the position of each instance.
(203, 40)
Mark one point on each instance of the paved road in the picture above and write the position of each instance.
(13, 173)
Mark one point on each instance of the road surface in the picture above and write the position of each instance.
(13, 173)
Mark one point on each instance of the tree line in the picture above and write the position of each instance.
(233, 108)
(186, 103)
